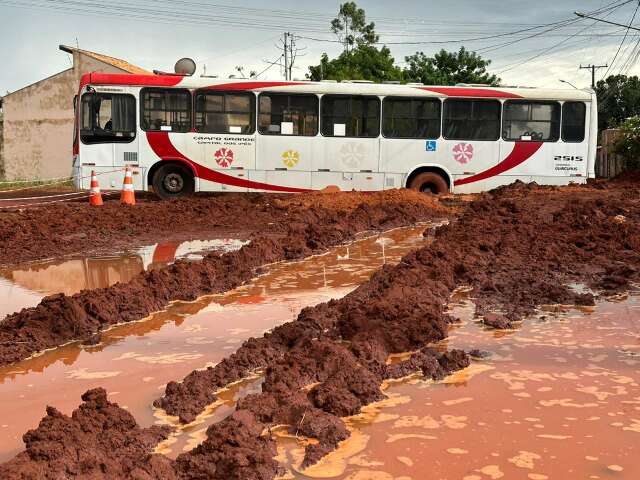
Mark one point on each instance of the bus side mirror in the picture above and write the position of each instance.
(75, 102)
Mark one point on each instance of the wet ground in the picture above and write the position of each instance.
(557, 398)
(25, 286)
(134, 361)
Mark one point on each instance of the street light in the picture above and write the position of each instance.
(569, 83)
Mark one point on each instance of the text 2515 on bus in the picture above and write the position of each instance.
(183, 134)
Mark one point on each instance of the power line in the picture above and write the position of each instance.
(615, 57)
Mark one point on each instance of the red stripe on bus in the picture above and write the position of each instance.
(163, 148)
(96, 78)
(470, 92)
(522, 151)
(251, 85)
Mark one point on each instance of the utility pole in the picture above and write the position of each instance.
(593, 69)
(287, 70)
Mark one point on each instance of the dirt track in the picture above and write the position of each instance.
(518, 248)
(285, 229)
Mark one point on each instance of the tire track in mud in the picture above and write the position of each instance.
(306, 227)
(518, 248)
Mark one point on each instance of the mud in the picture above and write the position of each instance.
(517, 248)
(304, 227)
(53, 231)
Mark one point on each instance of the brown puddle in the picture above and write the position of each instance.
(25, 286)
(134, 361)
(558, 398)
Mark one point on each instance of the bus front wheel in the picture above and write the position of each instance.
(172, 181)
(429, 182)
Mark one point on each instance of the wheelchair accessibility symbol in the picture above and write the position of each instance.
(431, 145)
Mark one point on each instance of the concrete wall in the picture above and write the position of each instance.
(1, 146)
(38, 123)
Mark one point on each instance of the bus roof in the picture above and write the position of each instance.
(345, 87)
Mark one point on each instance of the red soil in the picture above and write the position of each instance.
(518, 248)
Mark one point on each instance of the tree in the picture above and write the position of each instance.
(352, 28)
(618, 99)
(360, 60)
(628, 144)
(449, 68)
(365, 62)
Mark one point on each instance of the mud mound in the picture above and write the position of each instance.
(303, 231)
(62, 229)
(99, 441)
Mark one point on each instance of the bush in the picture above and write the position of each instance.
(628, 145)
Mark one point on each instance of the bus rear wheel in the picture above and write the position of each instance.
(429, 182)
(172, 181)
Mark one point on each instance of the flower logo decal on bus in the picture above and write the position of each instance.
(463, 153)
(353, 154)
(224, 157)
(290, 158)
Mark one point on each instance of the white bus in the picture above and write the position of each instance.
(185, 134)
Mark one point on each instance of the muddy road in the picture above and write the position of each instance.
(305, 383)
(305, 225)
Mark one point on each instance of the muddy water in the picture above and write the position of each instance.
(25, 286)
(557, 398)
(135, 361)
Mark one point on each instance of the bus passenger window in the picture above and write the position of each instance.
(350, 116)
(166, 110)
(573, 121)
(471, 119)
(108, 118)
(404, 117)
(225, 112)
(531, 121)
(285, 114)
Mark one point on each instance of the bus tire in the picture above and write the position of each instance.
(429, 182)
(173, 180)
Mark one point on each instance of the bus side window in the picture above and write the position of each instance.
(471, 119)
(573, 122)
(225, 112)
(165, 109)
(531, 121)
(288, 114)
(405, 117)
(350, 116)
(107, 118)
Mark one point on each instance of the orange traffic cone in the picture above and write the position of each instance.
(127, 197)
(95, 197)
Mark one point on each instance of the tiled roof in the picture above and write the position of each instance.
(116, 62)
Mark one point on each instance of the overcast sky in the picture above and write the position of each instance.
(222, 34)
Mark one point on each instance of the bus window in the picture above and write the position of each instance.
(471, 119)
(167, 110)
(350, 116)
(531, 121)
(285, 114)
(573, 121)
(108, 118)
(404, 117)
(225, 112)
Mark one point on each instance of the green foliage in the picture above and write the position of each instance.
(449, 68)
(365, 62)
(618, 99)
(352, 28)
(628, 144)
(361, 60)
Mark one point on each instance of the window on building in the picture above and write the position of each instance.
(531, 121)
(167, 110)
(284, 114)
(573, 121)
(471, 119)
(350, 116)
(225, 112)
(411, 117)
(108, 118)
